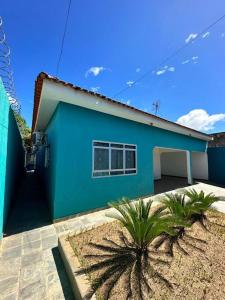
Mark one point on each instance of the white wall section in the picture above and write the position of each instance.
(157, 163)
(174, 163)
(189, 169)
(200, 165)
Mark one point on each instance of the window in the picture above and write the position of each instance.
(110, 159)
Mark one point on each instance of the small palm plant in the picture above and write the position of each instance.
(179, 207)
(142, 225)
(189, 207)
(176, 206)
(130, 260)
(200, 203)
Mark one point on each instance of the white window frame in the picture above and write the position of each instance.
(124, 159)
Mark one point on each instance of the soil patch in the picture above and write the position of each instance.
(199, 275)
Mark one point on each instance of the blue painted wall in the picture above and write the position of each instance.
(11, 156)
(216, 159)
(49, 175)
(69, 176)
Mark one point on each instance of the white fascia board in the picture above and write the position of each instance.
(53, 93)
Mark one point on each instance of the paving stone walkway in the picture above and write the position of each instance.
(30, 263)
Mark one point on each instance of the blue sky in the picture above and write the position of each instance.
(125, 39)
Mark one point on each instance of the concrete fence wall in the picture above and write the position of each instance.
(11, 157)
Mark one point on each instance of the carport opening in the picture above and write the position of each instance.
(172, 169)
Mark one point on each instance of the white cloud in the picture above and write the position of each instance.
(191, 37)
(205, 35)
(138, 70)
(194, 58)
(165, 69)
(171, 69)
(130, 83)
(185, 61)
(95, 71)
(160, 72)
(95, 89)
(199, 119)
(128, 102)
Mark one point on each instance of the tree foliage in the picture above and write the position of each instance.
(25, 130)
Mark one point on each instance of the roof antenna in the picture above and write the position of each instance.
(155, 107)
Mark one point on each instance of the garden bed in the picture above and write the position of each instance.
(199, 275)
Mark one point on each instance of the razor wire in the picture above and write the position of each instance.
(6, 72)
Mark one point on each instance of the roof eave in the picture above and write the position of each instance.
(153, 119)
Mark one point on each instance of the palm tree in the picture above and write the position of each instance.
(187, 212)
(177, 206)
(131, 259)
(142, 225)
(200, 203)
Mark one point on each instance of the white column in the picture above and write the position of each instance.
(157, 164)
(189, 170)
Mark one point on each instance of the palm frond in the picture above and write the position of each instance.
(143, 224)
(201, 200)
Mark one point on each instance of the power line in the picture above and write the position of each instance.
(175, 53)
(63, 38)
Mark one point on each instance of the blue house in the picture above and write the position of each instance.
(99, 150)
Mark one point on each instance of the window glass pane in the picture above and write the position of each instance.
(116, 159)
(101, 159)
(116, 172)
(116, 145)
(130, 159)
(101, 144)
(130, 147)
(96, 174)
(130, 172)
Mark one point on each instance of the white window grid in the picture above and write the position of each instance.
(124, 149)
